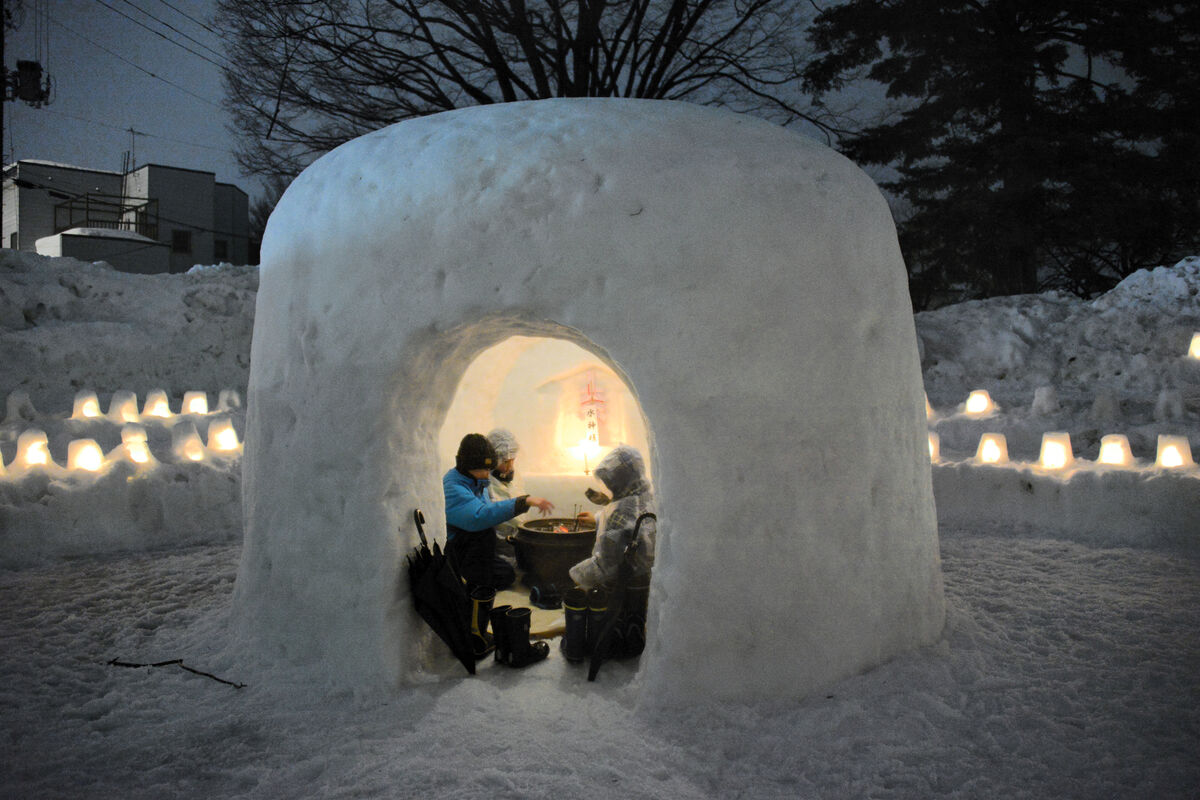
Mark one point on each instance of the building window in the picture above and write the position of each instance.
(220, 250)
(14, 241)
(181, 241)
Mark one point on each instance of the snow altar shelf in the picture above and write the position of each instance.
(744, 283)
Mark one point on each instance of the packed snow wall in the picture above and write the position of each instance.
(744, 281)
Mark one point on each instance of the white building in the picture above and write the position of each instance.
(152, 219)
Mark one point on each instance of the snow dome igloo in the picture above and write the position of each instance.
(744, 282)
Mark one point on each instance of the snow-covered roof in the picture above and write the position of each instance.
(105, 233)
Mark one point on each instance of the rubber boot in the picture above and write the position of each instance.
(500, 632)
(481, 606)
(574, 641)
(522, 652)
(597, 601)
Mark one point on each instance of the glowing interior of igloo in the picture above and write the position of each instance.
(564, 406)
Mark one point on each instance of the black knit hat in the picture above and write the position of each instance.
(475, 452)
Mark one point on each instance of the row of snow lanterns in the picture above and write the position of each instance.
(86, 455)
(1174, 452)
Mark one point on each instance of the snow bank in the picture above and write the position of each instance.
(744, 281)
(66, 325)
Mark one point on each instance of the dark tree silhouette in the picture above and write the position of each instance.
(307, 75)
(1044, 143)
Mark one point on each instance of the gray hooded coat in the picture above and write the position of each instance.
(623, 472)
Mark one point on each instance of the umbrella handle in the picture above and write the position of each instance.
(419, 518)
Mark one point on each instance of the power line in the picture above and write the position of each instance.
(140, 133)
(136, 66)
(161, 35)
(172, 27)
(183, 13)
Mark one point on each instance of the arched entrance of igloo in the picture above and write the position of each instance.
(566, 408)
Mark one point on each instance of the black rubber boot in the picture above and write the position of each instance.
(574, 641)
(522, 652)
(500, 632)
(597, 601)
(481, 606)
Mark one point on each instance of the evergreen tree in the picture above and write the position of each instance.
(1041, 143)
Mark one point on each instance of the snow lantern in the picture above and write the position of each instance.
(85, 455)
(1115, 451)
(134, 445)
(33, 450)
(186, 443)
(935, 447)
(1056, 451)
(194, 403)
(1194, 350)
(157, 405)
(229, 400)
(1173, 452)
(222, 438)
(87, 405)
(746, 285)
(123, 407)
(993, 449)
(979, 404)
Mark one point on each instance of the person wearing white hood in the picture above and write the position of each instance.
(623, 473)
(501, 485)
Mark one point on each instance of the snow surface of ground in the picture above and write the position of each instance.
(1068, 667)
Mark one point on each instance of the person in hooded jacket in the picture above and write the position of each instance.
(501, 486)
(472, 515)
(623, 473)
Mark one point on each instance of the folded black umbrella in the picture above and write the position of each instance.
(441, 597)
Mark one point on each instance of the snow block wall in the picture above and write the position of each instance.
(745, 282)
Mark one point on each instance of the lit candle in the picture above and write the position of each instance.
(221, 435)
(123, 407)
(195, 403)
(32, 450)
(86, 405)
(1056, 451)
(1194, 350)
(84, 454)
(993, 449)
(979, 403)
(1114, 451)
(935, 446)
(133, 439)
(1174, 452)
(185, 442)
(157, 404)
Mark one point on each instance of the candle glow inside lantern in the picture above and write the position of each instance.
(979, 403)
(85, 454)
(123, 407)
(194, 403)
(133, 439)
(1056, 451)
(157, 404)
(993, 449)
(186, 443)
(928, 409)
(33, 449)
(221, 436)
(1115, 452)
(1194, 350)
(935, 445)
(86, 405)
(1174, 452)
